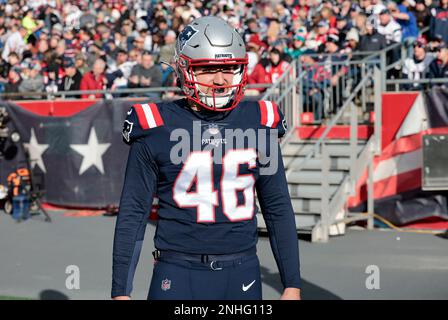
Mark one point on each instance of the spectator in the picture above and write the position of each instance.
(72, 79)
(416, 67)
(372, 40)
(313, 86)
(14, 81)
(439, 66)
(438, 24)
(80, 62)
(34, 82)
(276, 66)
(336, 63)
(352, 39)
(422, 14)
(147, 39)
(168, 49)
(146, 75)
(259, 75)
(298, 47)
(94, 80)
(15, 42)
(251, 28)
(389, 28)
(343, 27)
(402, 14)
(30, 24)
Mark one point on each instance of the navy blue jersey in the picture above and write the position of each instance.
(204, 167)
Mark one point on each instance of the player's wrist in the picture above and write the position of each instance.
(291, 294)
(121, 298)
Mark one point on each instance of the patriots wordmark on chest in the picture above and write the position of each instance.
(211, 138)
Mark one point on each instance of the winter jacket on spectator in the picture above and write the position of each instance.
(275, 71)
(437, 69)
(372, 42)
(392, 32)
(423, 18)
(259, 75)
(12, 86)
(414, 69)
(438, 24)
(32, 84)
(89, 82)
(409, 27)
(154, 73)
(14, 43)
(71, 83)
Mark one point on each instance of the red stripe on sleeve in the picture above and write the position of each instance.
(264, 112)
(141, 116)
(276, 115)
(156, 114)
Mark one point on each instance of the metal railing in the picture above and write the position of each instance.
(106, 93)
(396, 85)
(283, 93)
(321, 94)
(331, 205)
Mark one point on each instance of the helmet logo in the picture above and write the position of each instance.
(223, 56)
(185, 36)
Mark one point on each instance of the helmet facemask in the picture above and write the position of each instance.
(214, 100)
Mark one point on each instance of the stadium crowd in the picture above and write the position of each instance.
(55, 45)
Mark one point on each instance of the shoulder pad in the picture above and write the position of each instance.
(271, 116)
(141, 118)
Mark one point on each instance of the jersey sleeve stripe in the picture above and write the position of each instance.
(270, 112)
(263, 112)
(149, 116)
(155, 112)
(276, 115)
(141, 116)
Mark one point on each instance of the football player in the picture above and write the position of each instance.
(204, 156)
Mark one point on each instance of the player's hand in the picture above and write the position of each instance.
(291, 294)
(121, 298)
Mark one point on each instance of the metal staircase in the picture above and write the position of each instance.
(322, 174)
(305, 181)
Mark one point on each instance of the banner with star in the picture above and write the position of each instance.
(81, 158)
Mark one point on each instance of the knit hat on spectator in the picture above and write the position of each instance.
(69, 63)
(80, 56)
(411, 2)
(334, 38)
(421, 42)
(141, 24)
(352, 35)
(255, 40)
(299, 37)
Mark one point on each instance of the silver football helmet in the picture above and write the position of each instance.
(209, 41)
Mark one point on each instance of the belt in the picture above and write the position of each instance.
(203, 258)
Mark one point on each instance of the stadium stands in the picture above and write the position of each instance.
(50, 47)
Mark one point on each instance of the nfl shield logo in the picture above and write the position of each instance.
(166, 284)
(213, 129)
